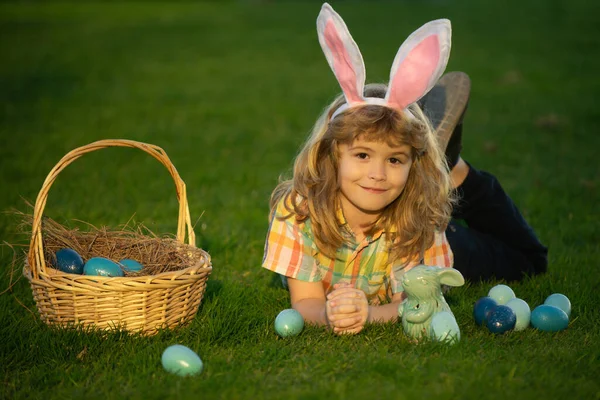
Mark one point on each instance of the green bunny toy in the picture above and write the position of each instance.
(425, 313)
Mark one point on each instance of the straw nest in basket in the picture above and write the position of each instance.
(166, 293)
(156, 254)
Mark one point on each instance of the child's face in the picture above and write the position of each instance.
(371, 176)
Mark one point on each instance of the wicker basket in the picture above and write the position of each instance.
(140, 304)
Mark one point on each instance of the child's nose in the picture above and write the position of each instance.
(377, 171)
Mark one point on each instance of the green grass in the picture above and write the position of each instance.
(230, 91)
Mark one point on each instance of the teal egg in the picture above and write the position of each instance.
(444, 327)
(522, 311)
(131, 265)
(101, 266)
(289, 323)
(561, 301)
(549, 318)
(181, 360)
(68, 260)
(502, 294)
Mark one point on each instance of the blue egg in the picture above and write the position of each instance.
(482, 309)
(522, 312)
(561, 301)
(501, 319)
(444, 327)
(549, 318)
(289, 323)
(181, 360)
(68, 260)
(131, 265)
(502, 294)
(101, 266)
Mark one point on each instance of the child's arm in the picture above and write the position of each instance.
(308, 298)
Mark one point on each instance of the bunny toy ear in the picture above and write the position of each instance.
(451, 277)
(419, 63)
(342, 54)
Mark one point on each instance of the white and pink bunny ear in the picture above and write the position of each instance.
(342, 53)
(419, 63)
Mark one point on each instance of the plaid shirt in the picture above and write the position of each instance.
(290, 251)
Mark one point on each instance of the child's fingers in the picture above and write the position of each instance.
(347, 291)
(341, 285)
(347, 331)
(344, 308)
(347, 323)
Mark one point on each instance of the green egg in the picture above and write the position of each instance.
(502, 294)
(181, 360)
(289, 323)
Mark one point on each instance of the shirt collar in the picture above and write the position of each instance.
(346, 229)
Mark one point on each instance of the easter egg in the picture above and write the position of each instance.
(501, 319)
(482, 309)
(289, 323)
(502, 294)
(181, 360)
(549, 318)
(131, 265)
(561, 301)
(101, 266)
(68, 260)
(444, 328)
(522, 312)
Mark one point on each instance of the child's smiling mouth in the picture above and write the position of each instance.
(373, 190)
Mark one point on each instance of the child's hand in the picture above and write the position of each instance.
(347, 309)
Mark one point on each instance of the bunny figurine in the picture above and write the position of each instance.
(425, 313)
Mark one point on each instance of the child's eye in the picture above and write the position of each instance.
(362, 156)
(394, 160)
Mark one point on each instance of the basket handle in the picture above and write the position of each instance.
(36, 250)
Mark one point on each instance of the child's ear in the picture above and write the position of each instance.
(342, 54)
(419, 63)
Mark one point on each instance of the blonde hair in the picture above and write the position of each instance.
(424, 205)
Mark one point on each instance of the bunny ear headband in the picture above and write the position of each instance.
(419, 63)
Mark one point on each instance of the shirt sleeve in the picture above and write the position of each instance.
(289, 249)
(439, 255)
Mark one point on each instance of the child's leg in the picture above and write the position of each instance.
(498, 242)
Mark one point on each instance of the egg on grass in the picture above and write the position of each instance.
(502, 294)
(289, 323)
(561, 301)
(501, 319)
(181, 360)
(444, 328)
(549, 318)
(522, 312)
(482, 309)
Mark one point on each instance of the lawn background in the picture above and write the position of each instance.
(230, 91)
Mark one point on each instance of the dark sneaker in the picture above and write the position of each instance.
(445, 106)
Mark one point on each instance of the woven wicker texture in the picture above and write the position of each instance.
(141, 304)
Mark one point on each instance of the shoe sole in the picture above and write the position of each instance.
(446, 103)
